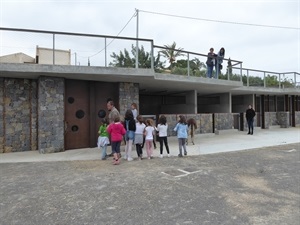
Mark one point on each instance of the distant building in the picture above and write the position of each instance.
(17, 58)
(43, 56)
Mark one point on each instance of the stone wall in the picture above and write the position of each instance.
(1, 115)
(204, 122)
(297, 118)
(51, 114)
(128, 94)
(271, 119)
(283, 119)
(17, 129)
(224, 121)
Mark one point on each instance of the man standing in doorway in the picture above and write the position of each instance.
(250, 114)
(113, 113)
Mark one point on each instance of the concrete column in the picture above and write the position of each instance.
(191, 102)
(225, 103)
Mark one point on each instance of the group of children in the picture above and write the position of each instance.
(135, 131)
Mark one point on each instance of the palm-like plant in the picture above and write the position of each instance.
(171, 53)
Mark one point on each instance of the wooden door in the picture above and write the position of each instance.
(77, 114)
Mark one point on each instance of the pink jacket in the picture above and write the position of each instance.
(116, 131)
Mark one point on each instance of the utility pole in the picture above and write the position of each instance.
(137, 42)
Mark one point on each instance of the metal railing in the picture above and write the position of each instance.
(87, 47)
(269, 78)
(187, 57)
(51, 41)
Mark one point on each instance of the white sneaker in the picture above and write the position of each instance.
(161, 156)
(129, 159)
(125, 157)
(169, 155)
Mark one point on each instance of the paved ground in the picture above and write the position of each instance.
(227, 141)
(258, 186)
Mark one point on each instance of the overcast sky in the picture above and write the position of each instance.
(258, 47)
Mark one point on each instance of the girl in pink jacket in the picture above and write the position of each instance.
(116, 131)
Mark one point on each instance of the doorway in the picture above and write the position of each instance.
(85, 106)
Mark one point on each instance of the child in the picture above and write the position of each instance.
(162, 129)
(103, 139)
(116, 131)
(182, 133)
(134, 110)
(149, 132)
(139, 138)
(130, 127)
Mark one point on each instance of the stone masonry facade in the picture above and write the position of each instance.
(32, 114)
(17, 131)
(51, 114)
(128, 94)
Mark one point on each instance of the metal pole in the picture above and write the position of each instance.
(53, 49)
(105, 52)
(137, 42)
(295, 79)
(264, 79)
(247, 78)
(152, 55)
(241, 71)
(75, 59)
(188, 64)
(279, 83)
(217, 63)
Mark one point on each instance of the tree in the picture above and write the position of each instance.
(171, 53)
(144, 61)
(195, 66)
(121, 60)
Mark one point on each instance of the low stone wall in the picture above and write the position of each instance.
(271, 119)
(204, 122)
(283, 119)
(297, 118)
(224, 121)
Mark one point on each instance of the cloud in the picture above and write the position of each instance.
(248, 43)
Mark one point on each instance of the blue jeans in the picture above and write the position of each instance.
(182, 145)
(250, 125)
(209, 71)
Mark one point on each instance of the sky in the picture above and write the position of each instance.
(264, 35)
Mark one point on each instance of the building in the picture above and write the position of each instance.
(55, 107)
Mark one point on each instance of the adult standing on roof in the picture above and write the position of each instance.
(250, 114)
(210, 62)
(220, 58)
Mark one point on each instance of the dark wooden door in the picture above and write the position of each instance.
(77, 114)
(83, 102)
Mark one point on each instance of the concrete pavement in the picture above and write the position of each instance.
(226, 141)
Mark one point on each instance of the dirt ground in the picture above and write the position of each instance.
(258, 186)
